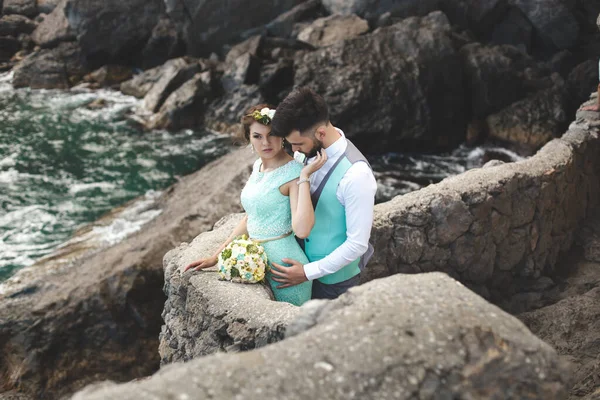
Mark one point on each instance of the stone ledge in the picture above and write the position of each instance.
(204, 315)
(497, 229)
(400, 337)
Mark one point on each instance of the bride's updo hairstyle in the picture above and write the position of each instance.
(248, 119)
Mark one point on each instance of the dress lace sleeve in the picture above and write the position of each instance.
(289, 172)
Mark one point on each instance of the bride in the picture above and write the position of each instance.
(277, 202)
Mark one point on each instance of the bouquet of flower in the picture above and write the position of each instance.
(243, 260)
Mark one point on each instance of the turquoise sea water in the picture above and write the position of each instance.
(63, 165)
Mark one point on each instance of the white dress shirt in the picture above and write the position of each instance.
(356, 192)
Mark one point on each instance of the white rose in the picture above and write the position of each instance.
(264, 111)
(271, 114)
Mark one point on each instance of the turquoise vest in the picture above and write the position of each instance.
(329, 231)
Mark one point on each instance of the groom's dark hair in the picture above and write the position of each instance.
(301, 110)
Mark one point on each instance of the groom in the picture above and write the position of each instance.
(343, 195)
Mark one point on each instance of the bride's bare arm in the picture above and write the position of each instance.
(240, 229)
(303, 213)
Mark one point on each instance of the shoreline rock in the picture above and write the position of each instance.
(391, 338)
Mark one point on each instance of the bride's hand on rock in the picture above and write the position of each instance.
(314, 166)
(202, 263)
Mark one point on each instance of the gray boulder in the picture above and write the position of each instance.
(58, 68)
(401, 84)
(184, 108)
(13, 25)
(47, 6)
(553, 21)
(164, 44)
(392, 338)
(572, 327)
(329, 30)
(174, 74)
(533, 121)
(497, 76)
(140, 84)
(54, 28)
(208, 25)
(104, 37)
(283, 25)
(8, 47)
(21, 7)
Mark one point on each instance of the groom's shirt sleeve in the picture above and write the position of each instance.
(356, 192)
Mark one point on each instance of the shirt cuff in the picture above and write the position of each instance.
(312, 271)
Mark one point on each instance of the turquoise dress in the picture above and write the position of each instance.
(269, 215)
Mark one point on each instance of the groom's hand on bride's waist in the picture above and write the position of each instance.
(288, 276)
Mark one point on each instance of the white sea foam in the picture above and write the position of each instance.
(84, 187)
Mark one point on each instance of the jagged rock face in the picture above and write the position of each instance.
(329, 30)
(13, 25)
(391, 338)
(533, 121)
(60, 67)
(572, 327)
(104, 37)
(207, 25)
(54, 29)
(497, 76)
(20, 7)
(553, 20)
(99, 317)
(204, 315)
(402, 84)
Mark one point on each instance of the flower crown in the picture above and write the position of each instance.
(264, 116)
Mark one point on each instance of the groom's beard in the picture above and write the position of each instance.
(317, 146)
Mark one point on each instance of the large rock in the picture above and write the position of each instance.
(209, 24)
(513, 29)
(371, 9)
(582, 80)
(47, 6)
(109, 75)
(572, 327)
(402, 337)
(553, 21)
(21, 7)
(13, 25)
(401, 85)
(54, 29)
(98, 317)
(8, 47)
(283, 25)
(163, 45)
(57, 68)
(224, 113)
(496, 76)
(174, 74)
(230, 317)
(141, 83)
(329, 30)
(108, 31)
(533, 121)
(184, 108)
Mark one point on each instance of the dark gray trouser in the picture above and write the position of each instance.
(323, 291)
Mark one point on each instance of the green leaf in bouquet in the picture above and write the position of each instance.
(226, 254)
